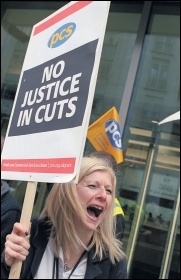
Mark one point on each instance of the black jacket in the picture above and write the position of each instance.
(10, 212)
(96, 269)
(120, 226)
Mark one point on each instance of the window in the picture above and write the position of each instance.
(158, 75)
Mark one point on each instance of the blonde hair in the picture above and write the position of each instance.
(63, 202)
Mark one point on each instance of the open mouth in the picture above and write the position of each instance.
(94, 211)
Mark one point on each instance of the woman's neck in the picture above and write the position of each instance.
(70, 251)
(84, 234)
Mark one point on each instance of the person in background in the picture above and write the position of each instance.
(118, 211)
(74, 238)
(120, 221)
(10, 209)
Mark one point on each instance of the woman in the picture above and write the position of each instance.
(118, 211)
(74, 237)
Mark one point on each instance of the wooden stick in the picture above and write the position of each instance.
(25, 220)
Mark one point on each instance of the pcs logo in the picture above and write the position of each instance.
(61, 35)
(112, 130)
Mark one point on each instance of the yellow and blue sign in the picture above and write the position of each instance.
(104, 134)
(61, 35)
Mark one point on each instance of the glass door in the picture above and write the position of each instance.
(149, 181)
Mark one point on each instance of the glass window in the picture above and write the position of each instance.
(150, 184)
(121, 30)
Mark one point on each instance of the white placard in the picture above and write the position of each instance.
(50, 116)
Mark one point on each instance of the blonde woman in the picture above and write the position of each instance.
(74, 237)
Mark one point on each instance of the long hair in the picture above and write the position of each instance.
(63, 202)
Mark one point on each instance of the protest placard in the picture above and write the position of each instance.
(48, 125)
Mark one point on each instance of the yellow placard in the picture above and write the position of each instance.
(104, 134)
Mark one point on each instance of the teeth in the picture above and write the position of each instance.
(98, 207)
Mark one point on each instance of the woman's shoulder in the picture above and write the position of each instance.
(40, 225)
(105, 268)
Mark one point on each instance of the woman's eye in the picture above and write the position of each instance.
(92, 186)
(109, 191)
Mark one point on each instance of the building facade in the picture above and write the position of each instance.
(139, 74)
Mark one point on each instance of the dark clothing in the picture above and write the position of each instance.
(120, 225)
(10, 212)
(96, 269)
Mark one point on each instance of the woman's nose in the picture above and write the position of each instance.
(102, 193)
